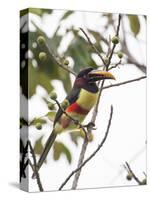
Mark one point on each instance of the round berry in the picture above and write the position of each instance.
(115, 40)
(53, 95)
(120, 54)
(129, 177)
(41, 40)
(106, 60)
(51, 106)
(65, 104)
(66, 62)
(38, 126)
(42, 56)
(144, 182)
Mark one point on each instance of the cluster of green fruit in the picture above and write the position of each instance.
(42, 55)
(115, 40)
(51, 106)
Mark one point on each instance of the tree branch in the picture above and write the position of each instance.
(116, 65)
(133, 174)
(66, 68)
(93, 46)
(93, 154)
(114, 45)
(124, 82)
(34, 168)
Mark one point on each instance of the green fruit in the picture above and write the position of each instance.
(65, 104)
(66, 62)
(53, 95)
(120, 54)
(115, 40)
(41, 40)
(38, 126)
(129, 177)
(42, 56)
(106, 60)
(144, 182)
(51, 106)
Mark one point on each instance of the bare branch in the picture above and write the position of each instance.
(66, 68)
(114, 45)
(93, 154)
(133, 174)
(116, 65)
(93, 46)
(34, 168)
(124, 82)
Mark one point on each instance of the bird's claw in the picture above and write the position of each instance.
(90, 125)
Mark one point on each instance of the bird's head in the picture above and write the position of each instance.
(88, 77)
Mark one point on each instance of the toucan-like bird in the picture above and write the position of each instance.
(81, 98)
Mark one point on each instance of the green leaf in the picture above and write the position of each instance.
(134, 24)
(36, 11)
(59, 148)
(38, 77)
(75, 135)
(38, 147)
(51, 115)
(67, 14)
(80, 51)
(37, 120)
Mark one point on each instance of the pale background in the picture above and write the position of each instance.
(10, 100)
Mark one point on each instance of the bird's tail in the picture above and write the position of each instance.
(46, 150)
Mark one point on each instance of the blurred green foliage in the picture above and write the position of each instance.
(60, 148)
(134, 24)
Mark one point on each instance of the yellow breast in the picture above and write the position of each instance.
(87, 99)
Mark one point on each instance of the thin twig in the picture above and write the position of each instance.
(116, 65)
(114, 45)
(109, 46)
(66, 68)
(35, 170)
(133, 174)
(124, 82)
(93, 46)
(93, 154)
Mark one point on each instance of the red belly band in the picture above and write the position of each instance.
(77, 109)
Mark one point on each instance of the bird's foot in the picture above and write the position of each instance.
(90, 125)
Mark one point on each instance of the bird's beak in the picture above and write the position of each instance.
(97, 75)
